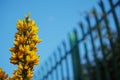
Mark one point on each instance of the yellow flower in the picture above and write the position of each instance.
(34, 30)
(36, 39)
(29, 74)
(32, 45)
(16, 75)
(25, 25)
(20, 66)
(35, 49)
(27, 34)
(13, 59)
(35, 59)
(12, 49)
(26, 49)
(20, 55)
(3, 76)
(26, 66)
(20, 25)
(32, 53)
(16, 43)
(28, 59)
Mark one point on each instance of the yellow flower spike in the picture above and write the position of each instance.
(24, 52)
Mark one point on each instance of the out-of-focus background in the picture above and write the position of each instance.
(81, 38)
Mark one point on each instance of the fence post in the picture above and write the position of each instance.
(56, 64)
(115, 17)
(94, 51)
(66, 61)
(62, 73)
(114, 61)
(102, 45)
(86, 52)
(47, 74)
(51, 64)
(77, 67)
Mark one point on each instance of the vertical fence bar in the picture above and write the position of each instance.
(66, 61)
(51, 64)
(110, 36)
(86, 52)
(47, 74)
(94, 51)
(62, 73)
(102, 46)
(115, 17)
(55, 58)
(114, 61)
(77, 67)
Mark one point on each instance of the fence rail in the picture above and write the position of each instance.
(106, 67)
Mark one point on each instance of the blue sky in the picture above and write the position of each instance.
(55, 19)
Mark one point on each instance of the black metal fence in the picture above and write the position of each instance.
(99, 46)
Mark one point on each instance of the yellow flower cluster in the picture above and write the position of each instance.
(24, 50)
(3, 76)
